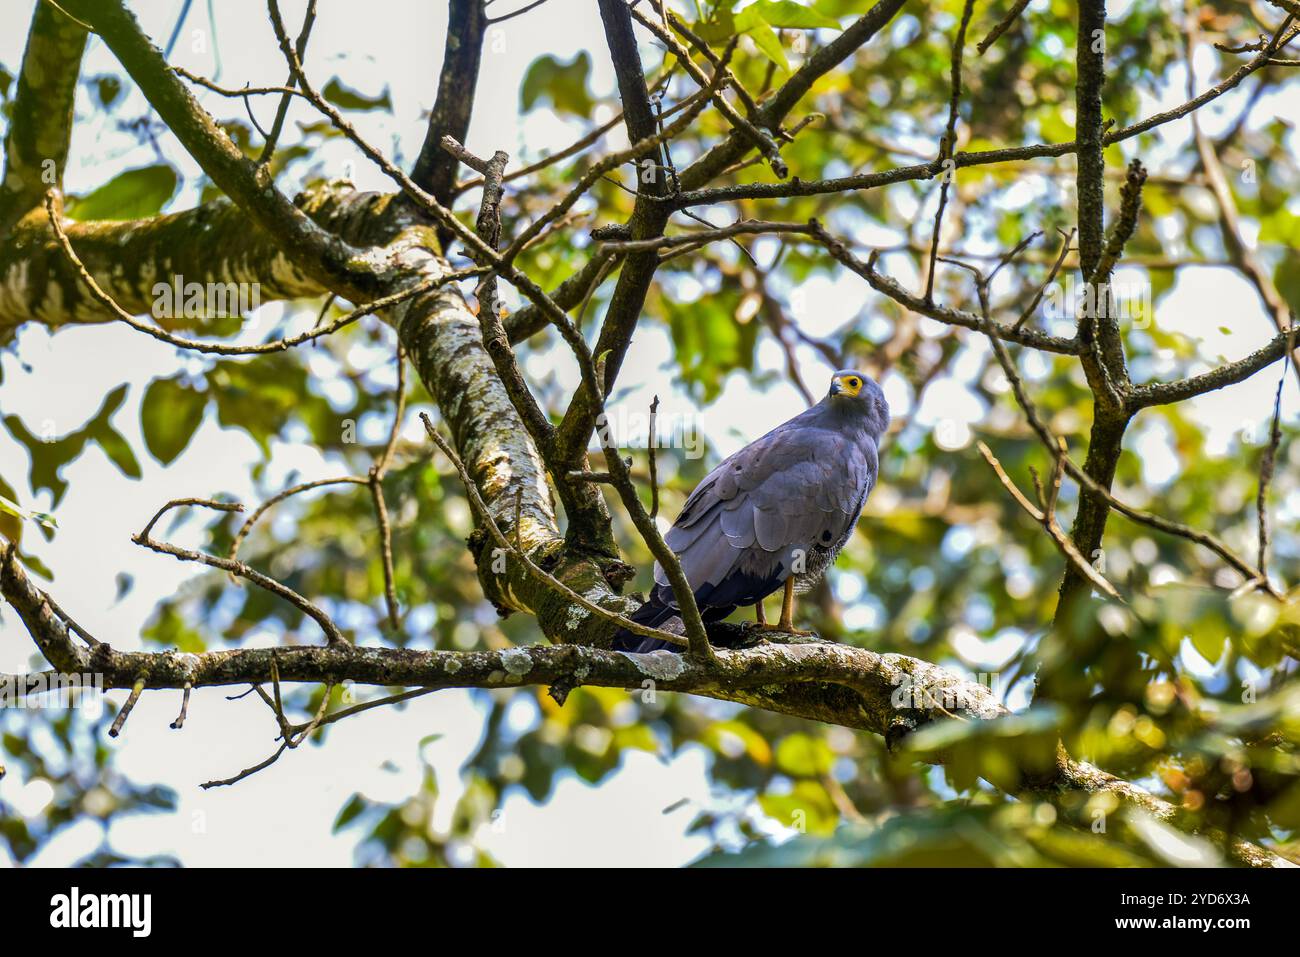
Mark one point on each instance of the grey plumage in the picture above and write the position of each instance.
(784, 504)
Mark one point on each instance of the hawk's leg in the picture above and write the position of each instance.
(786, 624)
(760, 616)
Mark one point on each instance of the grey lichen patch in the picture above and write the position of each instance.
(574, 616)
(660, 665)
(801, 652)
(452, 666)
(187, 662)
(517, 661)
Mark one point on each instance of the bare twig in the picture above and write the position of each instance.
(136, 690)
(1046, 517)
(700, 237)
(376, 483)
(948, 144)
(268, 148)
(485, 516)
(216, 348)
(185, 707)
(1054, 446)
(243, 92)
(247, 772)
(1051, 278)
(1003, 25)
(651, 443)
(233, 552)
(516, 13)
(760, 138)
(239, 569)
(1269, 459)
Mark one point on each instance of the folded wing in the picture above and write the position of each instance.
(744, 528)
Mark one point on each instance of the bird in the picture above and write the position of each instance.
(773, 515)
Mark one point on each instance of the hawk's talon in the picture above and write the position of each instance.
(783, 628)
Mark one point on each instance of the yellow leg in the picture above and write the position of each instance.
(786, 624)
(760, 616)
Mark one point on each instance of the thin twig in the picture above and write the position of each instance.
(516, 13)
(233, 552)
(586, 140)
(760, 138)
(949, 143)
(1003, 25)
(1269, 459)
(268, 147)
(239, 569)
(701, 237)
(136, 690)
(242, 92)
(247, 772)
(1054, 446)
(485, 516)
(654, 467)
(1051, 278)
(1047, 518)
(185, 707)
(215, 348)
(376, 483)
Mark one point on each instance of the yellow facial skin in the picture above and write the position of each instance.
(846, 385)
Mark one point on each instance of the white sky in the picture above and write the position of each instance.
(284, 814)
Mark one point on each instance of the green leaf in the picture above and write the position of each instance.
(110, 440)
(261, 397)
(787, 14)
(134, 194)
(170, 629)
(350, 811)
(350, 99)
(1287, 279)
(169, 416)
(36, 565)
(50, 456)
(564, 84)
(760, 31)
(803, 756)
(1209, 642)
(807, 807)
(119, 451)
(107, 88)
(10, 507)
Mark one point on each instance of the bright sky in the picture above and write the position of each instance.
(284, 814)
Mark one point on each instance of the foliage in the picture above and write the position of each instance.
(1192, 692)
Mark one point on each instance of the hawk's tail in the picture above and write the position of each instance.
(652, 614)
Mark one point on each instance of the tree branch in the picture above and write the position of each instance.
(40, 126)
(434, 170)
(890, 695)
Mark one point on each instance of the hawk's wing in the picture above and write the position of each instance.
(739, 534)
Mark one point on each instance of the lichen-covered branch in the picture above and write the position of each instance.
(889, 695)
(435, 170)
(318, 253)
(40, 124)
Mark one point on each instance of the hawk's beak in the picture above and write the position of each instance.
(836, 388)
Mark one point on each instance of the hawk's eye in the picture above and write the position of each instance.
(854, 383)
